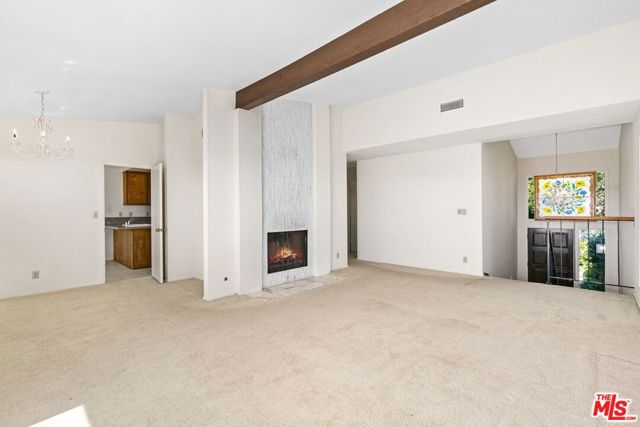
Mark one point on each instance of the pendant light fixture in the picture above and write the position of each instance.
(43, 132)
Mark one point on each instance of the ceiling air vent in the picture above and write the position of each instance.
(453, 105)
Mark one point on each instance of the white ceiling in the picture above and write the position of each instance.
(604, 138)
(138, 60)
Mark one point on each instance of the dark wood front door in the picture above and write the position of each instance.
(561, 256)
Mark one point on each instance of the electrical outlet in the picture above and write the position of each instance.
(465, 259)
(119, 213)
(35, 274)
(462, 211)
(338, 255)
(96, 214)
(130, 214)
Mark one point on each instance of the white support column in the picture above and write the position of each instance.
(339, 240)
(249, 236)
(321, 190)
(232, 186)
(636, 191)
(220, 199)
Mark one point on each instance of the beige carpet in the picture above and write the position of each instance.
(383, 347)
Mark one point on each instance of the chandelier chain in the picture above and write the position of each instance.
(42, 105)
(556, 152)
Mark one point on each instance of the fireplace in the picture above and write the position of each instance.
(286, 250)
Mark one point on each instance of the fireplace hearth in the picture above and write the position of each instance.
(286, 250)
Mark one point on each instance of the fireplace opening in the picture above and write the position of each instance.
(286, 250)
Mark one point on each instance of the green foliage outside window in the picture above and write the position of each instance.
(532, 199)
(591, 262)
(600, 193)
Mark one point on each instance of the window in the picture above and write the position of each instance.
(591, 253)
(532, 198)
(600, 195)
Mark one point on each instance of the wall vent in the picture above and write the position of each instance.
(453, 105)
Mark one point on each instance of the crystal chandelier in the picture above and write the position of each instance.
(43, 130)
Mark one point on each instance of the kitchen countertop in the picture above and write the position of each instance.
(122, 227)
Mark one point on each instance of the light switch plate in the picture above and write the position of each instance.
(96, 214)
(462, 211)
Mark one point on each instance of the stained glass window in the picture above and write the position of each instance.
(600, 195)
(566, 195)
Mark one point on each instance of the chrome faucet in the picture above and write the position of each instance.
(129, 221)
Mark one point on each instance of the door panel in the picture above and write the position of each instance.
(561, 260)
(537, 255)
(157, 224)
(562, 257)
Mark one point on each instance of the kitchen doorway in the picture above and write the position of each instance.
(133, 223)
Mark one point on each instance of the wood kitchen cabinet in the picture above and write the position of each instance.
(132, 248)
(136, 187)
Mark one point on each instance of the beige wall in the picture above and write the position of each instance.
(628, 200)
(339, 223)
(182, 148)
(499, 172)
(601, 161)
(48, 218)
(407, 209)
(587, 72)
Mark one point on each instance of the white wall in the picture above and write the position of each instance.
(321, 127)
(630, 201)
(407, 209)
(636, 177)
(628, 161)
(499, 224)
(47, 222)
(220, 193)
(232, 189)
(249, 226)
(339, 251)
(588, 72)
(199, 220)
(548, 90)
(599, 161)
(182, 151)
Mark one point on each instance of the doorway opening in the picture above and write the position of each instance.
(551, 257)
(591, 257)
(352, 209)
(133, 223)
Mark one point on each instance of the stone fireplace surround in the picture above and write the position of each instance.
(287, 180)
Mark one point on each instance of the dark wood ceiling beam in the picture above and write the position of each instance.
(402, 22)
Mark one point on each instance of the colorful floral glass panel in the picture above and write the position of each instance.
(566, 195)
